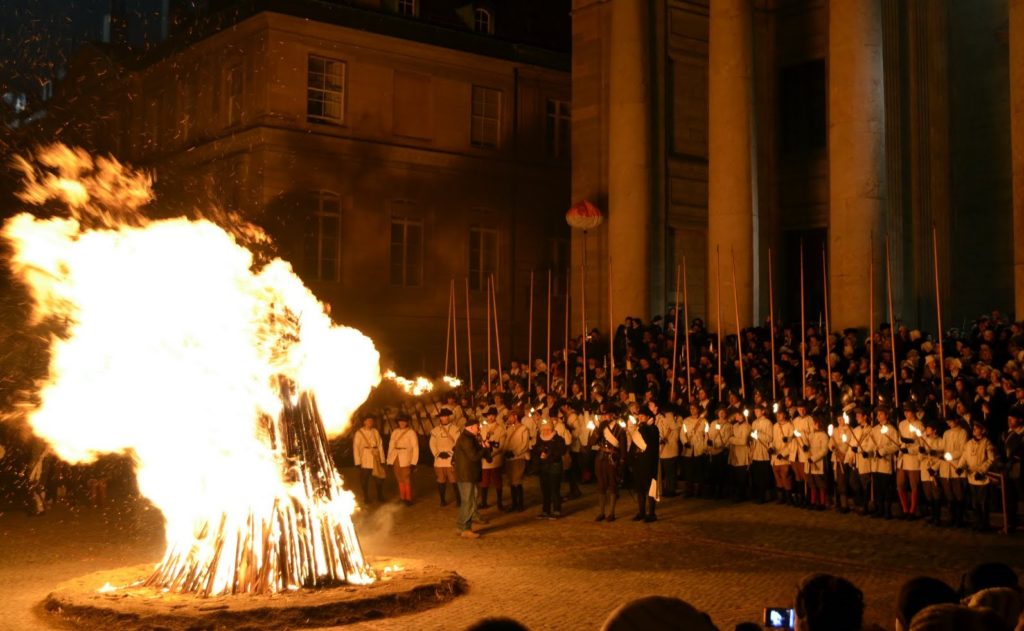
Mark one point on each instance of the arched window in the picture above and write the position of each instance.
(482, 21)
(322, 238)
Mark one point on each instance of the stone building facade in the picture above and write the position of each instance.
(721, 130)
(386, 150)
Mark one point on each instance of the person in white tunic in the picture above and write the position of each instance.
(952, 479)
(368, 454)
(668, 432)
(977, 458)
(442, 445)
(403, 454)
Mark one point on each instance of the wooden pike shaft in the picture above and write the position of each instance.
(892, 328)
(803, 328)
(547, 354)
(611, 327)
(718, 309)
(529, 344)
(469, 339)
(497, 331)
(583, 333)
(675, 345)
(938, 314)
(871, 320)
(828, 331)
(686, 324)
(771, 319)
(565, 352)
(455, 330)
(448, 329)
(739, 333)
(487, 379)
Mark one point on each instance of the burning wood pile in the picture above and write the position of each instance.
(306, 540)
(221, 376)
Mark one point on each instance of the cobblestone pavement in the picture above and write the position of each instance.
(727, 559)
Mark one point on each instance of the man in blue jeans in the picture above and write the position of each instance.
(467, 458)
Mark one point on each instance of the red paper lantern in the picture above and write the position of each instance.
(584, 215)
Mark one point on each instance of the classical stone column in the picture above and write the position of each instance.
(1017, 127)
(856, 153)
(730, 169)
(629, 159)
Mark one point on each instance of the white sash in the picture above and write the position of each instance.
(610, 437)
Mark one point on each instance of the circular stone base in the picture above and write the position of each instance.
(414, 587)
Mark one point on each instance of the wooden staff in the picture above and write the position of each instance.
(871, 324)
(938, 313)
(675, 345)
(448, 326)
(497, 331)
(803, 327)
(739, 336)
(455, 330)
(611, 327)
(583, 316)
(547, 355)
(771, 318)
(529, 343)
(469, 338)
(686, 323)
(828, 332)
(488, 301)
(718, 308)
(892, 328)
(565, 353)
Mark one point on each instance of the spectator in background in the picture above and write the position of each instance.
(918, 593)
(828, 603)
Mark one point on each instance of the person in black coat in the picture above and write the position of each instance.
(642, 459)
(467, 457)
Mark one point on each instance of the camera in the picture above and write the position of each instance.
(779, 618)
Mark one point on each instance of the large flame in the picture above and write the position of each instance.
(173, 348)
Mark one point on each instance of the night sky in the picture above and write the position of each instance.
(38, 36)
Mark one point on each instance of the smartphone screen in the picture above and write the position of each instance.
(780, 618)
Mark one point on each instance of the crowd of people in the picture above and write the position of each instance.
(891, 425)
(989, 599)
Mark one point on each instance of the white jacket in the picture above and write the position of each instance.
(718, 433)
(518, 441)
(804, 425)
(840, 444)
(884, 447)
(910, 461)
(929, 462)
(759, 445)
(366, 446)
(953, 441)
(494, 432)
(442, 439)
(668, 432)
(817, 453)
(403, 448)
(978, 456)
(783, 442)
(692, 438)
(739, 444)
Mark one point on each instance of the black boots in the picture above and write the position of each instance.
(441, 488)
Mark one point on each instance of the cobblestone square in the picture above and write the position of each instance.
(728, 559)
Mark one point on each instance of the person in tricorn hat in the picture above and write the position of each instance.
(642, 459)
(978, 457)
(442, 443)
(609, 441)
(884, 447)
(492, 431)
(953, 441)
(403, 455)
(908, 462)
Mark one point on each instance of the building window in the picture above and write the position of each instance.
(409, 7)
(482, 22)
(486, 117)
(559, 265)
(557, 137)
(322, 238)
(235, 91)
(483, 256)
(325, 92)
(406, 252)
